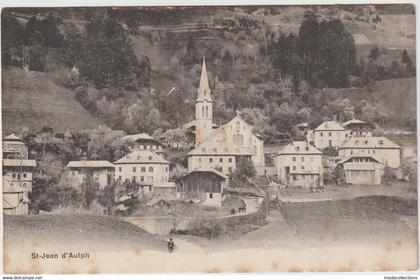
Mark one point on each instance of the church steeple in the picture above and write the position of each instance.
(203, 108)
(204, 88)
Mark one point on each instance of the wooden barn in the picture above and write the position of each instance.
(206, 184)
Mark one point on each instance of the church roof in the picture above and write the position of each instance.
(204, 88)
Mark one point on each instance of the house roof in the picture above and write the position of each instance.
(329, 125)
(368, 142)
(12, 137)
(353, 121)
(90, 164)
(144, 156)
(19, 162)
(360, 155)
(209, 169)
(299, 148)
(139, 136)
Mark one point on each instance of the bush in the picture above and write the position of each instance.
(389, 176)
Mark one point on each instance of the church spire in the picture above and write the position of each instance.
(204, 89)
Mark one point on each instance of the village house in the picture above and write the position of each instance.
(101, 172)
(17, 176)
(381, 148)
(299, 164)
(146, 168)
(358, 128)
(205, 185)
(362, 169)
(328, 134)
(143, 141)
(221, 148)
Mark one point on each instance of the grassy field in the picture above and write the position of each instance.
(76, 231)
(32, 99)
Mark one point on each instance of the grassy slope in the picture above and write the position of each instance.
(77, 231)
(32, 99)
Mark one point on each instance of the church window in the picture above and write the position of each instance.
(241, 141)
(207, 111)
(238, 125)
(202, 111)
(199, 159)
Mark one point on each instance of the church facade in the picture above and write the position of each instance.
(221, 148)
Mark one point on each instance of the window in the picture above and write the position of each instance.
(202, 111)
(120, 169)
(307, 148)
(134, 169)
(351, 152)
(13, 175)
(150, 169)
(24, 175)
(119, 178)
(210, 195)
(210, 159)
(330, 142)
(141, 178)
(322, 134)
(238, 125)
(207, 111)
(230, 169)
(230, 159)
(134, 179)
(294, 177)
(150, 188)
(221, 160)
(297, 149)
(150, 157)
(143, 169)
(294, 158)
(294, 168)
(303, 167)
(329, 134)
(24, 185)
(373, 151)
(303, 158)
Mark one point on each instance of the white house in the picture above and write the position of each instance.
(300, 164)
(329, 134)
(362, 169)
(222, 147)
(144, 167)
(381, 148)
(101, 172)
(17, 176)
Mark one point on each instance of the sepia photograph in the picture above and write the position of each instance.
(209, 139)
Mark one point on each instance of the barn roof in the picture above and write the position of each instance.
(329, 125)
(209, 169)
(369, 142)
(90, 164)
(144, 156)
(359, 155)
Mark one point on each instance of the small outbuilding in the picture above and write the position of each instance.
(205, 183)
(362, 169)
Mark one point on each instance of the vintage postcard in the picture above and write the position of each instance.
(209, 139)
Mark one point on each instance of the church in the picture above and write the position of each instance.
(222, 147)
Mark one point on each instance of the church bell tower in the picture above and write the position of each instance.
(203, 108)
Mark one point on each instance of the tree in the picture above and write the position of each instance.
(408, 64)
(244, 171)
(374, 53)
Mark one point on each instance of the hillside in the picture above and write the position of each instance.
(32, 99)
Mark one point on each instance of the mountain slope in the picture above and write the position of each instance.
(32, 99)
